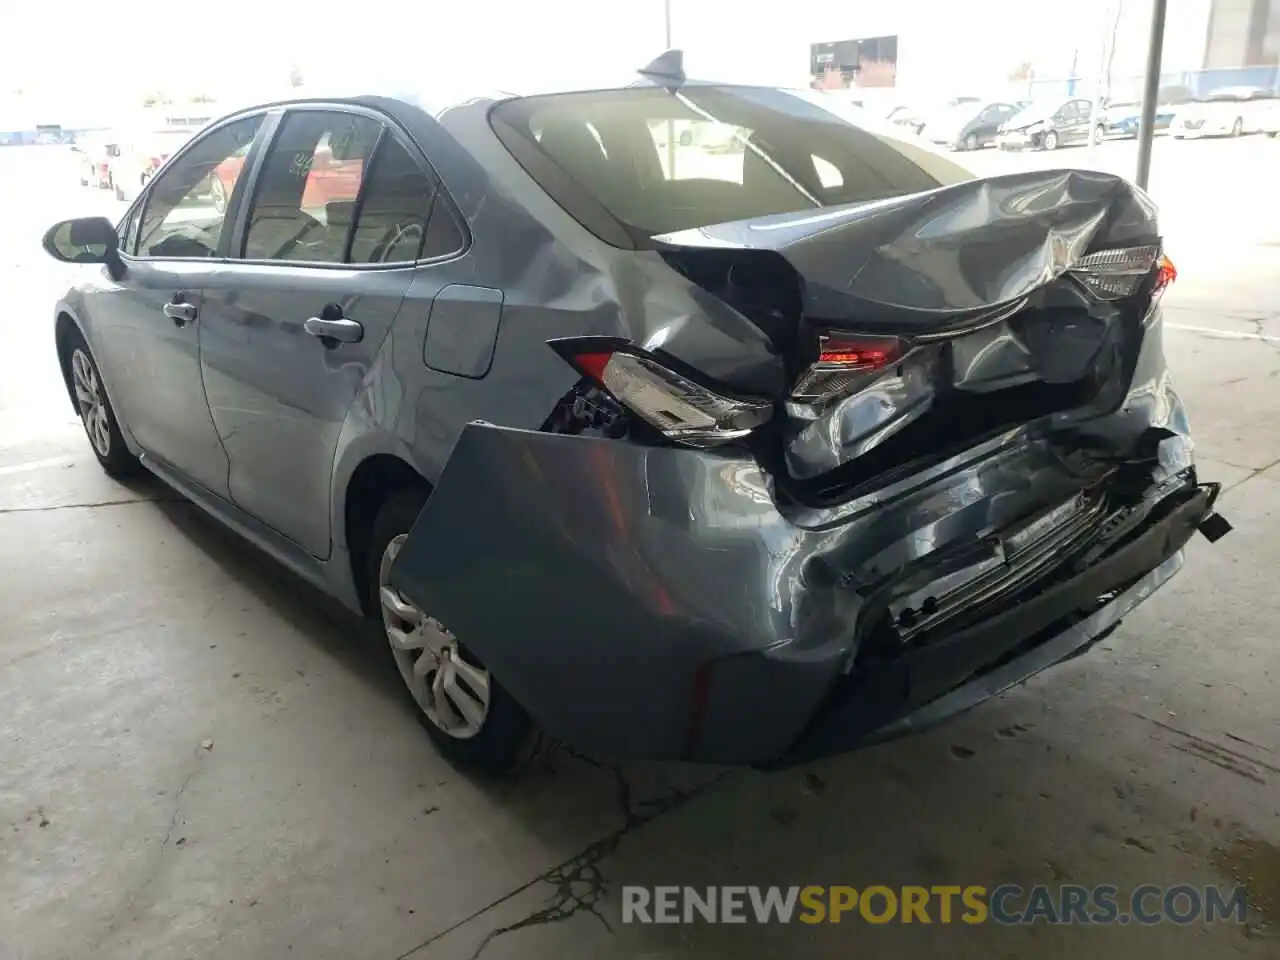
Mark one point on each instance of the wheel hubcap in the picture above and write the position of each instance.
(453, 693)
(93, 406)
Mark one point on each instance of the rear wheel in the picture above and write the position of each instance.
(96, 413)
(1237, 128)
(469, 716)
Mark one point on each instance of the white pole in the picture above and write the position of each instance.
(1095, 112)
(671, 126)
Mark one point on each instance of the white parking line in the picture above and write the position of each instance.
(35, 465)
(1224, 334)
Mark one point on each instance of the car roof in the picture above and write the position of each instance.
(1236, 93)
(435, 104)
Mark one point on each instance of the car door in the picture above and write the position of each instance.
(989, 121)
(146, 323)
(292, 325)
(1081, 123)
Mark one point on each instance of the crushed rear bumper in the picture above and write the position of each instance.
(656, 602)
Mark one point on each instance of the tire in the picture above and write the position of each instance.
(506, 735)
(1237, 128)
(217, 193)
(1099, 134)
(1050, 140)
(971, 142)
(89, 394)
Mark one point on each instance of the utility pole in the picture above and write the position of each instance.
(1151, 91)
(671, 124)
(1096, 122)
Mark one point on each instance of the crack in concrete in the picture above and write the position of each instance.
(1253, 472)
(157, 859)
(579, 884)
(90, 506)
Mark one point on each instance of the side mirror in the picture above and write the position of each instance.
(83, 240)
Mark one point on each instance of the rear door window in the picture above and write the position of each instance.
(655, 162)
(402, 215)
(306, 193)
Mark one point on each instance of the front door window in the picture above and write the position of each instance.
(186, 207)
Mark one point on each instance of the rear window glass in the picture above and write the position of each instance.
(656, 161)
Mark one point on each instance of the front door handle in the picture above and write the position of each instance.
(339, 329)
(180, 313)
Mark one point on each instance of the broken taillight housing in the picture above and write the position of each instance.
(844, 359)
(671, 401)
(1115, 274)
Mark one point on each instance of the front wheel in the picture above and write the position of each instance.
(218, 193)
(96, 412)
(1050, 141)
(469, 716)
(1237, 128)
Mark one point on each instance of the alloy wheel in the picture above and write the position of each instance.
(452, 692)
(92, 402)
(218, 193)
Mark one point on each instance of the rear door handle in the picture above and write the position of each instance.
(341, 329)
(180, 313)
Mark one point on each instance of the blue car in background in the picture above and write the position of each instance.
(1121, 120)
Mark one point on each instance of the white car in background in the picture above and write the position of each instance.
(1228, 112)
(141, 154)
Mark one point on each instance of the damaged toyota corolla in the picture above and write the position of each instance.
(752, 455)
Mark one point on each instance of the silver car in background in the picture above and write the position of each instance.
(743, 456)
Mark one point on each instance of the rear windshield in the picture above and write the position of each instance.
(654, 162)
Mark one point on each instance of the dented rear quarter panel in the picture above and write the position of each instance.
(598, 578)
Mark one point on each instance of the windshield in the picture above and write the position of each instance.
(168, 141)
(656, 162)
(1035, 111)
(958, 115)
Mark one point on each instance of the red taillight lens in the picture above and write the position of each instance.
(859, 353)
(1166, 273)
(591, 364)
(675, 403)
(843, 359)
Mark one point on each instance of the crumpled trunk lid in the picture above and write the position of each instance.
(975, 282)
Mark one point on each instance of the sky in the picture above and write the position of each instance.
(68, 52)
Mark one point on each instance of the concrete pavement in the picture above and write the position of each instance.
(200, 757)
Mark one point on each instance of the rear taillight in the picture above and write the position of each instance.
(844, 359)
(1115, 274)
(672, 402)
(1166, 273)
